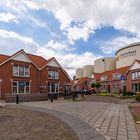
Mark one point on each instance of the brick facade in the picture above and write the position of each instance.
(134, 82)
(131, 74)
(38, 77)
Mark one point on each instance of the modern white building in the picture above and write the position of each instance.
(126, 55)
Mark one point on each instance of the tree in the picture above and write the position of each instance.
(95, 85)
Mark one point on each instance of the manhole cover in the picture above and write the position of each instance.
(5, 117)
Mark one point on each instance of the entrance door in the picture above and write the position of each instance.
(108, 88)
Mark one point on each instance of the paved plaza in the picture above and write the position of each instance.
(113, 121)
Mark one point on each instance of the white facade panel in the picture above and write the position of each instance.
(21, 57)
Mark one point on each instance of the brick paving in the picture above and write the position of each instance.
(111, 120)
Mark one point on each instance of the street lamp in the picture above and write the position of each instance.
(123, 79)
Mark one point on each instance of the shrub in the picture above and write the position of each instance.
(124, 92)
(104, 91)
(137, 97)
(97, 85)
(129, 93)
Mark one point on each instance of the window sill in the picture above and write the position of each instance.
(53, 79)
(135, 79)
(20, 93)
(21, 76)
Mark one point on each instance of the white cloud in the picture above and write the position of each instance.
(10, 42)
(90, 14)
(7, 17)
(117, 13)
(111, 46)
(69, 61)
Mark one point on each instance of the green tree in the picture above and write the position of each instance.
(93, 85)
(96, 85)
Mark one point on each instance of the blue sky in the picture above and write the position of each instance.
(75, 32)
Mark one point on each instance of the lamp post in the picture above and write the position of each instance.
(123, 79)
(0, 87)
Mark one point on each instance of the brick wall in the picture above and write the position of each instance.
(36, 79)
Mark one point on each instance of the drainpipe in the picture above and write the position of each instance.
(0, 88)
(39, 80)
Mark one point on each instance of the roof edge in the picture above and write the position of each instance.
(127, 46)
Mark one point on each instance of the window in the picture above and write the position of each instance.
(116, 76)
(22, 71)
(26, 70)
(21, 87)
(136, 87)
(53, 74)
(15, 70)
(15, 85)
(135, 75)
(116, 87)
(53, 87)
(103, 78)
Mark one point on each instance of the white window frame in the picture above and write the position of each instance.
(50, 87)
(116, 76)
(56, 74)
(103, 78)
(135, 75)
(18, 87)
(19, 72)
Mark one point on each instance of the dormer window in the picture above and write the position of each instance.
(116, 76)
(103, 78)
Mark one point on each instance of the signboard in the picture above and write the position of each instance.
(122, 78)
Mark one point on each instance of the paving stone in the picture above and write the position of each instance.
(112, 119)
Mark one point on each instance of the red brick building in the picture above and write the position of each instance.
(133, 77)
(110, 80)
(81, 84)
(24, 73)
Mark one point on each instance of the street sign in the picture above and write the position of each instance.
(122, 78)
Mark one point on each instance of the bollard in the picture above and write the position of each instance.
(73, 96)
(51, 98)
(17, 99)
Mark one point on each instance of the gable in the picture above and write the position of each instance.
(53, 64)
(92, 76)
(135, 66)
(21, 57)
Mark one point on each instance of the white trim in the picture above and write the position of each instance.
(17, 88)
(56, 72)
(19, 71)
(130, 67)
(21, 51)
(50, 90)
(59, 67)
(0, 88)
